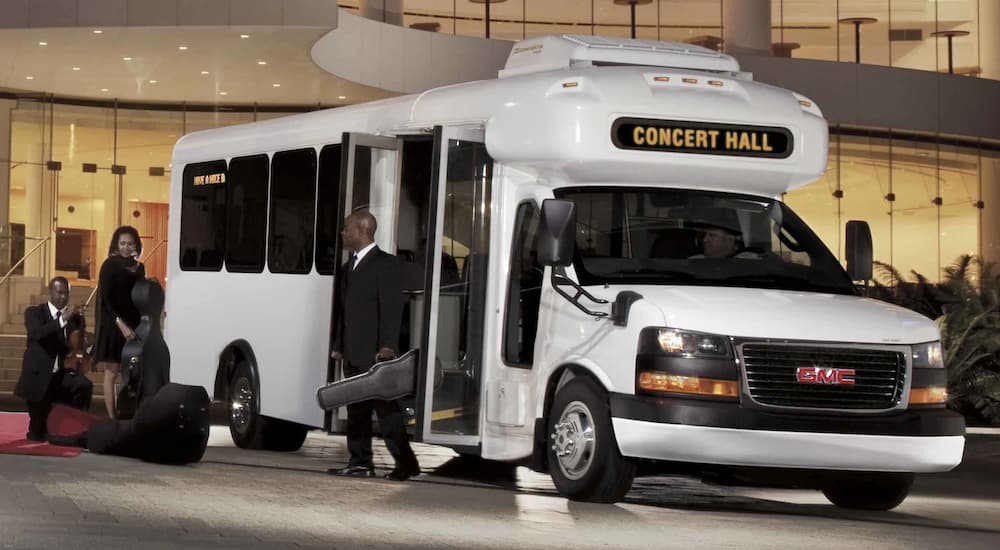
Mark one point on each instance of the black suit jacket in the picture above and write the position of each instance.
(46, 343)
(369, 307)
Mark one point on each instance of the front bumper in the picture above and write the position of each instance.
(724, 433)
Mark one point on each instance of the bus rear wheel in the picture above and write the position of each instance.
(868, 491)
(583, 455)
(251, 430)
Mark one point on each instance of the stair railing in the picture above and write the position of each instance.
(23, 258)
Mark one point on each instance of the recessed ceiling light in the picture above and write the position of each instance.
(43, 43)
(104, 89)
(244, 36)
(204, 72)
(262, 62)
(98, 31)
(341, 97)
(182, 48)
(276, 85)
(152, 82)
(76, 68)
(223, 93)
(29, 78)
(126, 59)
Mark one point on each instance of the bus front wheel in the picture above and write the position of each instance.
(868, 491)
(584, 460)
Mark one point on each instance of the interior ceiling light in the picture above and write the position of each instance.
(29, 78)
(276, 85)
(43, 43)
(341, 97)
(98, 31)
(126, 59)
(262, 62)
(223, 93)
(104, 89)
(152, 82)
(204, 72)
(244, 36)
(182, 48)
(76, 68)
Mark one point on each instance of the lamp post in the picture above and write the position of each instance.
(857, 22)
(632, 4)
(950, 35)
(487, 5)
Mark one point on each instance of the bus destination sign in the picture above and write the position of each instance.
(705, 138)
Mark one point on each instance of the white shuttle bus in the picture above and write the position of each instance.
(598, 262)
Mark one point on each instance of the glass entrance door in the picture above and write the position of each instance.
(450, 378)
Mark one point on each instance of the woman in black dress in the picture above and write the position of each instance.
(117, 316)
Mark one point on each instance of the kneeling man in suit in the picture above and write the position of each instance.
(43, 379)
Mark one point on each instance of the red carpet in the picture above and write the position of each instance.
(62, 421)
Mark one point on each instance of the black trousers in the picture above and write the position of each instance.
(390, 420)
(66, 387)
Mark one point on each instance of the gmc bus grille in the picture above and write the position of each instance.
(771, 375)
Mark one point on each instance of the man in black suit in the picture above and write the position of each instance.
(43, 379)
(369, 304)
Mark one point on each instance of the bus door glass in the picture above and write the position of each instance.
(450, 377)
(369, 180)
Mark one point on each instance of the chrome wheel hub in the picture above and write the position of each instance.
(573, 440)
(241, 406)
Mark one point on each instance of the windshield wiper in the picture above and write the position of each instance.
(666, 273)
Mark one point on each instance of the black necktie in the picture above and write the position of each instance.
(354, 261)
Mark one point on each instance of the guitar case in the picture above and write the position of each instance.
(145, 366)
(387, 380)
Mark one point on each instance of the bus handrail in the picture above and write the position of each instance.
(23, 258)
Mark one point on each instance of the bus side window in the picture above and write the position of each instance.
(203, 216)
(328, 209)
(293, 207)
(524, 290)
(247, 214)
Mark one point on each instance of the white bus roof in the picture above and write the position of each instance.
(547, 53)
(557, 125)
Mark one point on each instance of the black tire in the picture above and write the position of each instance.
(593, 470)
(868, 490)
(251, 430)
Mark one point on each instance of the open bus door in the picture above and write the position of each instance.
(369, 179)
(449, 380)
(447, 369)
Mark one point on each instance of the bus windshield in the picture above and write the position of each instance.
(692, 237)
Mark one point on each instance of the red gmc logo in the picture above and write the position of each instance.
(822, 375)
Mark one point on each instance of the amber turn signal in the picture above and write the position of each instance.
(691, 385)
(931, 395)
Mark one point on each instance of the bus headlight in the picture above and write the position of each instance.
(692, 344)
(928, 356)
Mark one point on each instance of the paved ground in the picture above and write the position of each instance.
(243, 499)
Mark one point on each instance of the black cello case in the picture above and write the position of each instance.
(145, 366)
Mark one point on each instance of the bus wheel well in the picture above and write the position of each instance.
(234, 354)
(560, 377)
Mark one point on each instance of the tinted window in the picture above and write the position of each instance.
(328, 210)
(293, 205)
(247, 217)
(524, 291)
(203, 216)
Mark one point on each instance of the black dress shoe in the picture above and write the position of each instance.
(403, 473)
(353, 471)
(35, 436)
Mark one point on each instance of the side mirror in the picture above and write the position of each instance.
(557, 232)
(858, 248)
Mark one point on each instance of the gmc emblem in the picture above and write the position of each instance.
(822, 375)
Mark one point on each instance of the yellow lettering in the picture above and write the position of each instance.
(651, 136)
(665, 137)
(701, 139)
(767, 147)
(678, 135)
(732, 140)
(714, 134)
(744, 141)
(689, 138)
(637, 136)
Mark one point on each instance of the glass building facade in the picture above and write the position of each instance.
(897, 33)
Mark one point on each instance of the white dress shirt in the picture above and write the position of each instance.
(360, 255)
(53, 310)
